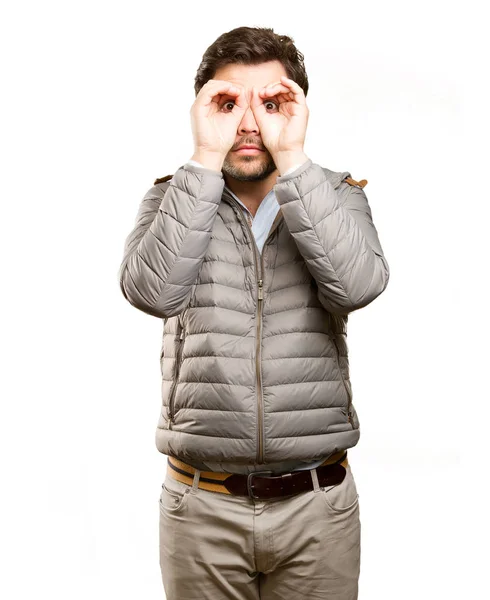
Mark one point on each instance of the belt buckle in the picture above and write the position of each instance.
(250, 484)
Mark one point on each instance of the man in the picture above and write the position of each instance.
(254, 258)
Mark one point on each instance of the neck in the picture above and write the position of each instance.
(251, 193)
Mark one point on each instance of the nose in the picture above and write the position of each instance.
(248, 124)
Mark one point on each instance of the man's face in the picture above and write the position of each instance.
(257, 166)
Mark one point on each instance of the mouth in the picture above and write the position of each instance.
(248, 151)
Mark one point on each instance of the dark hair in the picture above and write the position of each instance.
(252, 46)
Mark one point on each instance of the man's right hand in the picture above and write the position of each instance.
(214, 127)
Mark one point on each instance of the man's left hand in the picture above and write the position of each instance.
(283, 128)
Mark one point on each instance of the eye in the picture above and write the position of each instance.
(270, 102)
(233, 103)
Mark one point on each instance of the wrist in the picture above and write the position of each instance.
(286, 159)
(209, 160)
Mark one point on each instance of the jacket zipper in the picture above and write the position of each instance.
(258, 367)
(260, 303)
(337, 355)
(260, 299)
(176, 377)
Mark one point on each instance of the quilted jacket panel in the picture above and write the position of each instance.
(254, 353)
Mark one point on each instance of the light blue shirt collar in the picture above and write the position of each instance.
(264, 217)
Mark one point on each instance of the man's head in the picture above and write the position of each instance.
(250, 57)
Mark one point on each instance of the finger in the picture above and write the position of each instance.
(272, 83)
(283, 93)
(257, 103)
(295, 89)
(238, 94)
(279, 93)
(274, 90)
(233, 94)
(220, 83)
(219, 87)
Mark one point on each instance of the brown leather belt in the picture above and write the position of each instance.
(259, 485)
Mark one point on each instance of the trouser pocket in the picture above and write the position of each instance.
(174, 495)
(343, 496)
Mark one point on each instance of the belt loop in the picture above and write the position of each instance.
(195, 483)
(314, 477)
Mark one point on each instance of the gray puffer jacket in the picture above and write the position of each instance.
(254, 356)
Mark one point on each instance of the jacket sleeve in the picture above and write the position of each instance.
(336, 236)
(165, 249)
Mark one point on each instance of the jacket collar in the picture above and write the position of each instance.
(335, 178)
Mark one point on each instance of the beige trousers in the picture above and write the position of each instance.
(217, 546)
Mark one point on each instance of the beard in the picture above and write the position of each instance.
(249, 168)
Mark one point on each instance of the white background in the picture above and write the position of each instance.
(95, 106)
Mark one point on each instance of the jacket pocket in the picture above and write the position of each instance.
(333, 337)
(178, 362)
